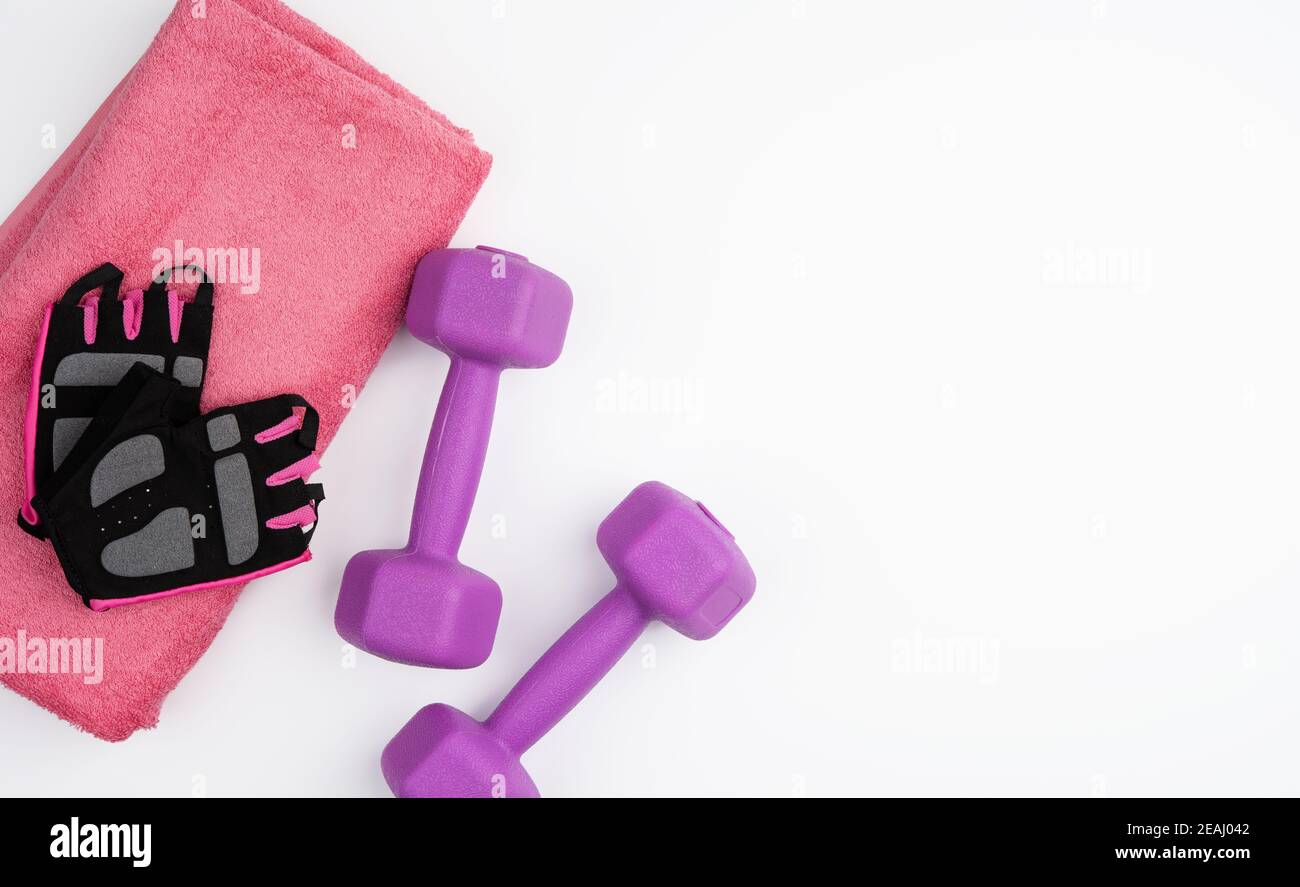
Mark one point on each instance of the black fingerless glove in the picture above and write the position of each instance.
(153, 501)
(87, 344)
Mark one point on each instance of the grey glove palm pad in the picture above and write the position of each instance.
(163, 545)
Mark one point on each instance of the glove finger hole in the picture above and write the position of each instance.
(294, 504)
(132, 314)
(202, 295)
(302, 469)
(280, 429)
(107, 278)
(303, 419)
(303, 516)
(90, 319)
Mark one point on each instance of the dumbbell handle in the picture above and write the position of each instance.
(567, 671)
(453, 457)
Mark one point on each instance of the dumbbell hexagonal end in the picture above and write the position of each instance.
(444, 753)
(489, 305)
(416, 610)
(677, 559)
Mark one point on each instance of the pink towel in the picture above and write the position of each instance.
(247, 129)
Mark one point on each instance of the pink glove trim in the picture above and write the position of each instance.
(29, 421)
(90, 319)
(175, 307)
(132, 313)
(302, 516)
(303, 468)
(279, 430)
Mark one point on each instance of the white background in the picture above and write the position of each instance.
(978, 327)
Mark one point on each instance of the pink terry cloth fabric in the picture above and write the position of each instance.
(246, 128)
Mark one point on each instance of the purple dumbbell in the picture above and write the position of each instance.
(487, 309)
(674, 562)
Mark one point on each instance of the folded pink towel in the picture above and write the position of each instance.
(251, 132)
